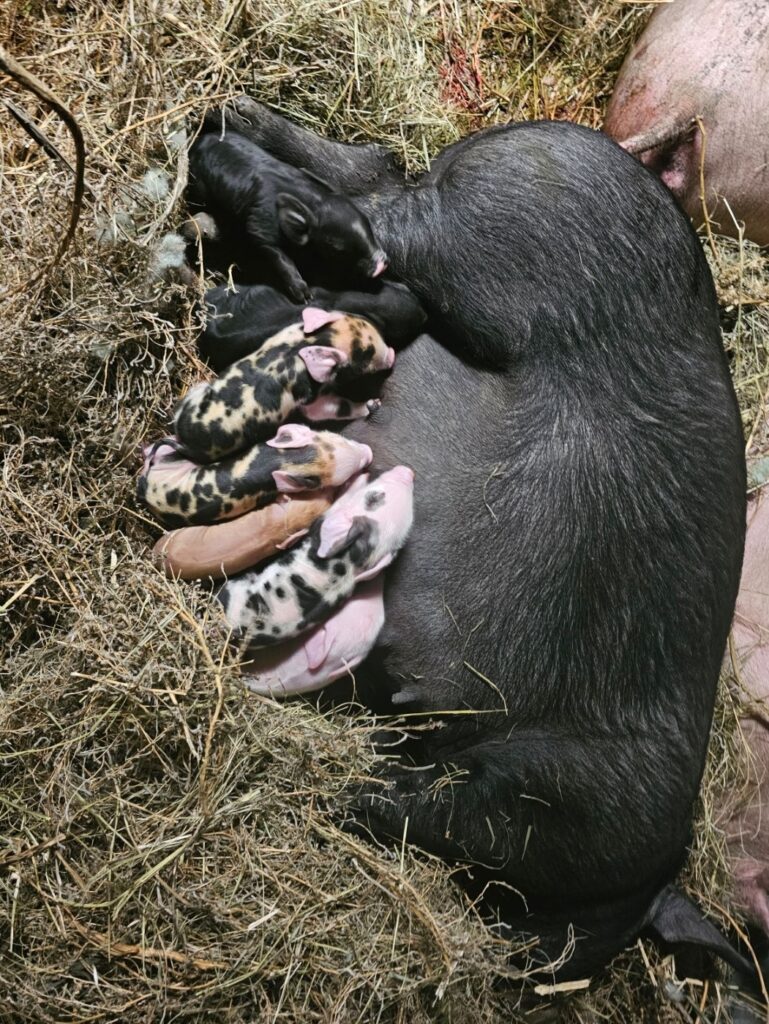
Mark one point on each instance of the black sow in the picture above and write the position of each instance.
(579, 509)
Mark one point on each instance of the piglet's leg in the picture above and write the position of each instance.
(351, 168)
(333, 407)
(295, 285)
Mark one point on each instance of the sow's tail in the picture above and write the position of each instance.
(674, 918)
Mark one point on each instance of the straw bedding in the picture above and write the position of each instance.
(166, 848)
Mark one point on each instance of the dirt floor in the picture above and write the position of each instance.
(166, 851)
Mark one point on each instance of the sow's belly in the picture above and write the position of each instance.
(448, 422)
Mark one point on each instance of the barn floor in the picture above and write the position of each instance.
(166, 851)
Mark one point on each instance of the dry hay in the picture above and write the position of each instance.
(166, 851)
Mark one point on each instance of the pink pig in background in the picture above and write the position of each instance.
(746, 821)
(706, 60)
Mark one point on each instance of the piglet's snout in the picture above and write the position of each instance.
(403, 474)
(378, 264)
(384, 358)
(351, 459)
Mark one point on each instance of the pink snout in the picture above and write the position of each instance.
(390, 359)
(380, 264)
(351, 458)
(399, 474)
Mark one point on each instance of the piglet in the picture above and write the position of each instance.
(181, 492)
(331, 650)
(292, 370)
(226, 548)
(274, 204)
(357, 538)
(240, 320)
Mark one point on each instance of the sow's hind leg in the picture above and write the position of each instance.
(547, 816)
(351, 168)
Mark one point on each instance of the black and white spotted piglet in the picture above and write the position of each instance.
(358, 537)
(292, 370)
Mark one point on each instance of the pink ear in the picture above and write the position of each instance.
(322, 361)
(316, 648)
(333, 531)
(313, 318)
(369, 574)
(287, 482)
(294, 435)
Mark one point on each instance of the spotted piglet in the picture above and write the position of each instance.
(357, 538)
(181, 492)
(330, 650)
(294, 369)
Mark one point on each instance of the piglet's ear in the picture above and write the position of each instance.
(313, 318)
(295, 435)
(295, 219)
(322, 361)
(289, 483)
(338, 533)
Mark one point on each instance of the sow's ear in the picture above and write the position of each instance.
(673, 918)
(295, 219)
(321, 361)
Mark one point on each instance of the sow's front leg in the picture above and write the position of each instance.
(351, 168)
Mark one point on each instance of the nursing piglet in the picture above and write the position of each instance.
(290, 371)
(181, 492)
(223, 549)
(241, 320)
(357, 538)
(329, 651)
(275, 204)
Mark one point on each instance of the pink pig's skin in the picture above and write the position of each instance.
(706, 59)
(747, 824)
(265, 606)
(332, 649)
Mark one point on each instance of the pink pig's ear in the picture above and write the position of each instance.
(294, 435)
(289, 483)
(289, 542)
(322, 361)
(313, 318)
(333, 533)
(338, 533)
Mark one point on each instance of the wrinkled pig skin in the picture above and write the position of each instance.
(579, 522)
(706, 59)
(747, 826)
